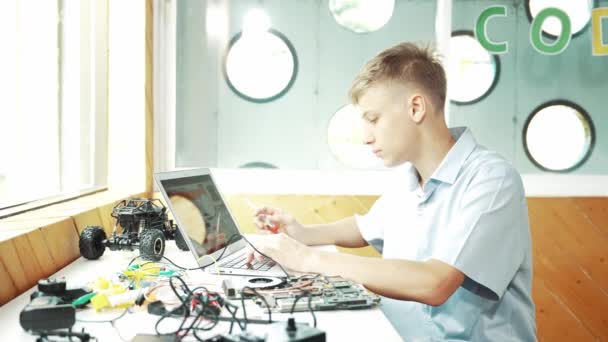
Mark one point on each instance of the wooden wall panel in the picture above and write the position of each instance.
(107, 221)
(569, 261)
(31, 266)
(14, 265)
(553, 321)
(42, 253)
(87, 218)
(61, 240)
(8, 289)
(596, 211)
(307, 209)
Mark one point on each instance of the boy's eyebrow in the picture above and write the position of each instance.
(367, 113)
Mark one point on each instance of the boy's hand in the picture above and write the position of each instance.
(283, 249)
(276, 221)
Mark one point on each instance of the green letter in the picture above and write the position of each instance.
(481, 30)
(536, 32)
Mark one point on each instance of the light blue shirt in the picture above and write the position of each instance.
(471, 214)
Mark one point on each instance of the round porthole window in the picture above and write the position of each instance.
(472, 71)
(345, 140)
(260, 67)
(258, 165)
(558, 136)
(579, 12)
(362, 16)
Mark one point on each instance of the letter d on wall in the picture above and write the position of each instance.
(597, 14)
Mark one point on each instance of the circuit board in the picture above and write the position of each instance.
(325, 292)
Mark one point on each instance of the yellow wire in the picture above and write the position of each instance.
(217, 269)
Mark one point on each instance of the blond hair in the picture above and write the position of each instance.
(406, 63)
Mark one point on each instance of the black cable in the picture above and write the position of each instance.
(244, 313)
(234, 236)
(203, 313)
(184, 305)
(82, 336)
(264, 255)
(314, 318)
(203, 300)
(181, 334)
(111, 321)
(249, 321)
(232, 309)
(257, 294)
(206, 309)
(185, 301)
(305, 293)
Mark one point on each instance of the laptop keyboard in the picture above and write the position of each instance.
(240, 262)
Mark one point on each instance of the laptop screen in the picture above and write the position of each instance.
(201, 213)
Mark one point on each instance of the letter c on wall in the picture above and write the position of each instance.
(481, 30)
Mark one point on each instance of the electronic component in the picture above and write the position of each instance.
(233, 286)
(263, 282)
(50, 307)
(229, 288)
(45, 313)
(280, 332)
(326, 293)
(57, 288)
(52, 285)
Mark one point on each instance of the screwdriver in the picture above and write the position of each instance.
(273, 227)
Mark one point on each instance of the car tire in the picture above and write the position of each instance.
(91, 242)
(180, 241)
(152, 244)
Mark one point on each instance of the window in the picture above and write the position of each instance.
(53, 78)
(578, 11)
(472, 71)
(260, 66)
(362, 16)
(345, 140)
(558, 136)
(258, 165)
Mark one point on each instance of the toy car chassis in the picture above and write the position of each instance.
(145, 226)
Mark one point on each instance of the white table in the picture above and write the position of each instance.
(356, 325)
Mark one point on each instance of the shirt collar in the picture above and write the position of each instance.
(452, 163)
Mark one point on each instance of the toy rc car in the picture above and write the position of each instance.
(145, 226)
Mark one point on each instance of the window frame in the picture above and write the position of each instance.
(350, 30)
(292, 80)
(595, 4)
(496, 76)
(560, 102)
(93, 92)
(93, 114)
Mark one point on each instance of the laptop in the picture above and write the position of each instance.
(207, 225)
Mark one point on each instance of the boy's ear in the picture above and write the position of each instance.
(417, 108)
